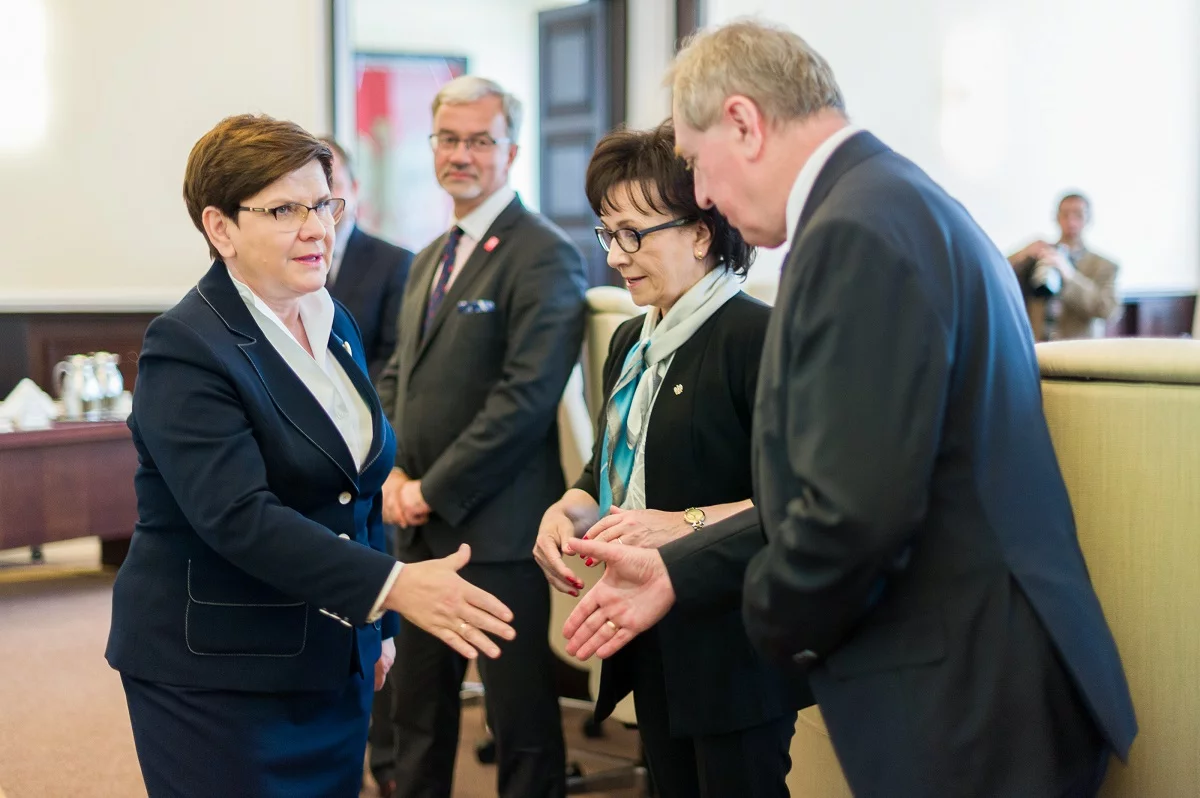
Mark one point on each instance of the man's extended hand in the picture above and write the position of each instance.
(633, 595)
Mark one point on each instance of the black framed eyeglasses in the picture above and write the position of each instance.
(629, 239)
(445, 142)
(293, 215)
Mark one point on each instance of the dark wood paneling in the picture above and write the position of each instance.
(1155, 314)
(67, 482)
(689, 18)
(576, 85)
(34, 342)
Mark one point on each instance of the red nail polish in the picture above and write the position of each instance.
(589, 562)
(575, 593)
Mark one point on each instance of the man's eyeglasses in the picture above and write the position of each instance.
(293, 215)
(444, 142)
(629, 239)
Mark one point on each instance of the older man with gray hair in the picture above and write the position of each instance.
(912, 551)
(490, 328)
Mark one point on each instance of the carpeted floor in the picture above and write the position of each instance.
(64, 730)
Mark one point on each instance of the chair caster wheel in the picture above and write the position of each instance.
(485, 752)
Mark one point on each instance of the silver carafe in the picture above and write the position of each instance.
(79, 389)
(111, 382)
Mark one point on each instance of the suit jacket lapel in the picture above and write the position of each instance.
(290, 395)
(850, 154)
(356, 370)
(472, 271)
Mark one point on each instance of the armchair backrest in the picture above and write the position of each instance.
(1124, 415)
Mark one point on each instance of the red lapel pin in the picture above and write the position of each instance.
(490, 244)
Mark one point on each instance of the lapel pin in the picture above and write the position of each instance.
(346, 344)
(678, 389)
(490, 244)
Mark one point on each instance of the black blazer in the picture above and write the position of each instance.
(251, 511)
(370, 283)
(475, 399)
(698, 453)
(922, 560)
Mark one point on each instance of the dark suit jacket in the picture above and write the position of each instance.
(698, 453)
(474, 401)
(370, 283)
(922, 559)
(251, 511)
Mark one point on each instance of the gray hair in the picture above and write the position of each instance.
(471, 88)
(767, 63)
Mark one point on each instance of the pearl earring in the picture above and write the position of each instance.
(699, 255)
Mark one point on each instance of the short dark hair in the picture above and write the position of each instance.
(1075, 195)
(340, 152)
(647, 158)
(240, 157)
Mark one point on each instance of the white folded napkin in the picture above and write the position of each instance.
(28, 407)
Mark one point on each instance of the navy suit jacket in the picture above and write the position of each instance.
(370, 283)
(252, 514)
(922, 563)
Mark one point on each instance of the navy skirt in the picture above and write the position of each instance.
(197, 743)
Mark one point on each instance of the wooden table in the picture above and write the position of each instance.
(71, 481)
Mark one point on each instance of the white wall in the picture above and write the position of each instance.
(1007, 104)
(92, 204)
(650, 27)
(498, 37)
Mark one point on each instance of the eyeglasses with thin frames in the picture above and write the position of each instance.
(292, 215)
(629, 239)
(445, 142)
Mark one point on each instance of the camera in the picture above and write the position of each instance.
(1045, 280)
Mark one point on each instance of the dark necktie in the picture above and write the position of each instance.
(438, 292)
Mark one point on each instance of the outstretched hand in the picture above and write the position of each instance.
(633, 595)
(433, 596)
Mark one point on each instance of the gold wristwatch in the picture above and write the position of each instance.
(694, 517)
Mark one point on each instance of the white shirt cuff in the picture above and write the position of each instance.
(377, 608)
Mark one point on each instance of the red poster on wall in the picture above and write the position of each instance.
(399, 196)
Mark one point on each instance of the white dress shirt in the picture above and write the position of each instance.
(808, 177)
(324, 377)
(474, 226)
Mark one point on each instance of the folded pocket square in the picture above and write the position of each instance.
(476, 306)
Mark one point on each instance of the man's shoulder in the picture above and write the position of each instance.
(538, 230)
(379, 248)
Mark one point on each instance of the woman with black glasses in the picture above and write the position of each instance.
(253, 617)
(674, 454)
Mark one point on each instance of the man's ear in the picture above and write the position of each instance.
(748, 123)
(217, 227)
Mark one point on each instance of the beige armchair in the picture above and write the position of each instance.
(1125, 418)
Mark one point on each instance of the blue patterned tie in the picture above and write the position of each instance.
(438, 292)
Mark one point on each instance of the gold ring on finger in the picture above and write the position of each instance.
(611, 625)
(463, 627)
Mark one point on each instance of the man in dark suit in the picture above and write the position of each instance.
(366, 274)
(491, 325)
(921, 564)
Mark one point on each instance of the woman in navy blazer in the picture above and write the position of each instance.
(715, 719)
(254, 613)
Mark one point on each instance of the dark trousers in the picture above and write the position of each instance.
(748, 763)
(520, 696)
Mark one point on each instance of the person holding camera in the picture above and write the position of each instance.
(1070, 292)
